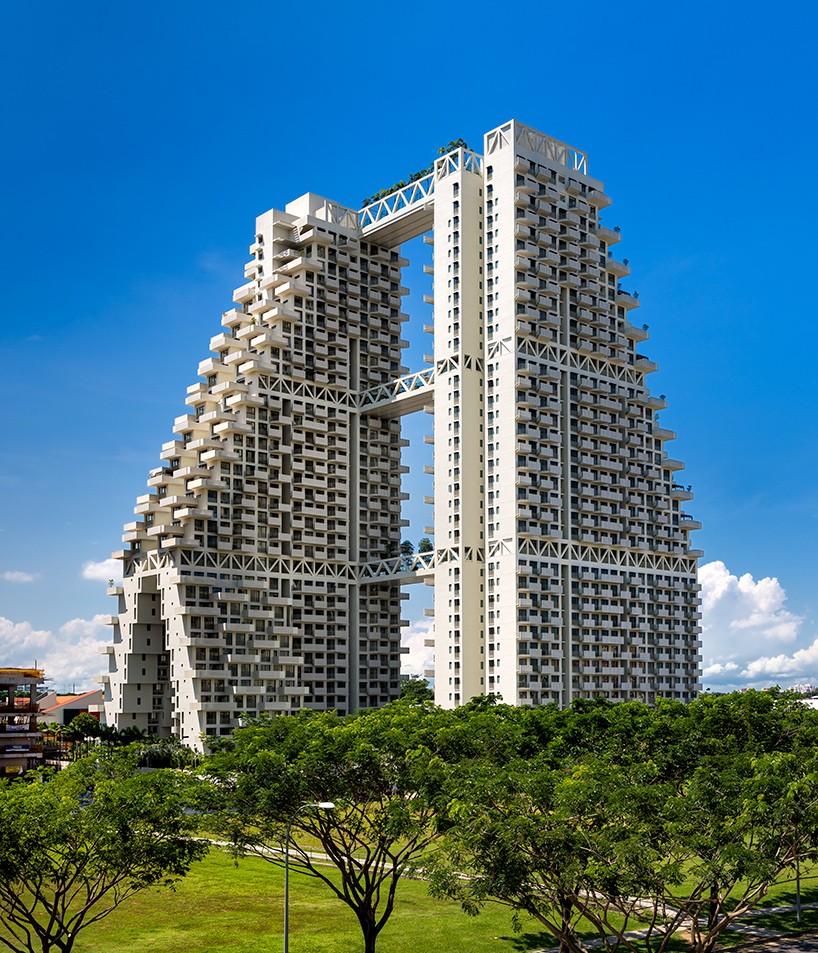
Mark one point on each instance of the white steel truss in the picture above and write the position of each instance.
(516, 134)
(404, 395)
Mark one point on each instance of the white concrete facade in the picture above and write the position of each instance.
(263, 573)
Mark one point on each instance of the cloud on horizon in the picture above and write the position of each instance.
(69, 657)
(745, 626)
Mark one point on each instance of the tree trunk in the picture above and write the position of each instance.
(370, 937)
(368, 928)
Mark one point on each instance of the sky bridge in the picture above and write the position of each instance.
(404, 395)
(401, 569)
(408, 211)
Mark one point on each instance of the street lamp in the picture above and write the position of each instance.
(322, 806)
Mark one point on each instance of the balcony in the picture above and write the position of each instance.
(609, 235)
(644, 365)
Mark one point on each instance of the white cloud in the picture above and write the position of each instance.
(744, 625)
(75, 627)
(802, 663)
(717, 668)
(69, 657)
(14, 575)
(20, 642)
(102, 571)
(420, 656)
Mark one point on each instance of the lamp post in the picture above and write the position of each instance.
(323, 806)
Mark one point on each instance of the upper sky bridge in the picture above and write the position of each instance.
(409, 211)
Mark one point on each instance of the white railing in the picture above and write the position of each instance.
(538, 143)
(419, 192)
(400, 387)
(459, 158)
(403, 566)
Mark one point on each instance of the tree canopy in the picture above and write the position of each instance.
(380, 770)
(623, 817)
(596, 821)
(75, 845)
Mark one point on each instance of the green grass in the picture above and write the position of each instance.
(221, 907)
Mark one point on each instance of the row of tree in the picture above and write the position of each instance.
(602, 819)
(596, 821)
(84, 734)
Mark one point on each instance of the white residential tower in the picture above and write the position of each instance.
(264, 574)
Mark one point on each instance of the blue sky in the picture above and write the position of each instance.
(141, 140)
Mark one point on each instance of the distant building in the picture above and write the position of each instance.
(21, 741)
(263, 571)
(61, 709)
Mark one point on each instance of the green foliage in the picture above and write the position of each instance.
(451, 146)
(623, 816)
(75, 845)
(416, 689)
(595, 820)
(380, 770)
(83, 726)
(414, 176)
(425, 545)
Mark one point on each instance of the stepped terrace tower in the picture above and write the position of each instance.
(263, 573)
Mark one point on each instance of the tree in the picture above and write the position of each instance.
(623, 816)
(380, 770)
(80, 731)
(425, 545)
(75, 845)
(451, 146)
(83, 726)
(416, 689)
(735, 829)
(551, 843)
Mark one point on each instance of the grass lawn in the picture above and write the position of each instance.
(219, 907)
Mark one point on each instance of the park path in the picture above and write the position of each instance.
(759, 939)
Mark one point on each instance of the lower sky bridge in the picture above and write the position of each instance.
(401, 569)
(404, 395)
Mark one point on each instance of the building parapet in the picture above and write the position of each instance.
(521, 136)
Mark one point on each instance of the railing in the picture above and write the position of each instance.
(516, 134)
(398, 566)
(421, 191)
(458, 159)
(397, 388)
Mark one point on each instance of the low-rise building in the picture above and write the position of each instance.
(21, 741)
(62, 709)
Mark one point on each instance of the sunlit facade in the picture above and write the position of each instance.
(263, 572)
